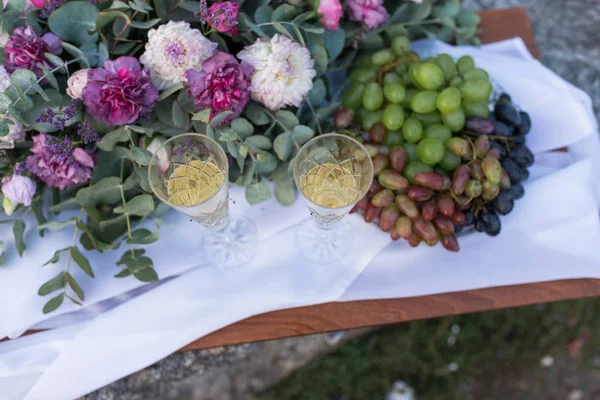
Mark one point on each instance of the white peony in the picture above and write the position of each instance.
(4, 79)
(76, 83)
(283, 71)
(172, 49)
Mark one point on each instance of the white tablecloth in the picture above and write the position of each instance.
(553, 233)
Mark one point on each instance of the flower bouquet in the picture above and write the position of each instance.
(91, 89)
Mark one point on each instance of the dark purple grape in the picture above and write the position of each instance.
(517, 191)
(504, 98)
(479, 226)
(500, 147)
(524, 173)
(523, 156)
(491, 222)
(517, 142)
(469, 218)
(459, 228)
(507, 113)
(504, 203)
(525, 126)
(501, 129)
(513, 170)
(480, 125)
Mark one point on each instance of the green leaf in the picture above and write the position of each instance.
(285, 12)
(242, 127)
(75, 52)
(55, 226)
(228, 136)
(202, 116)
(256, 114)
(106, 191)
(25, 103)
(140, 206)
(173, 89)
(217, 119)
(143, 236)
(75, 286)
(110, 140)
(285, 191)
(18, 231)
(245, 21)
(259, 142)
(181, 119)
(146, 275)
(135, 260)
(40, 218)
(56, 283)
(450, 8)
(232, 148)
(283, 145)
(396, 30)
(334, 42)
(467, 18)
(318, 93)
(258, 192)
(23, 78)
(56, 256)
(447, 21)
(243, 150)
(302, 134)
(218, 39)
(124, 273)
(162, 209)
(319, 54)
(75, 22)
(53, 303)
(145, 24)
(268, 163)
(287, 118)
(3, 128)
(119, 5)
(263, 14)
(69, 204)
(82, 261)
(141, 156)
(371, 42)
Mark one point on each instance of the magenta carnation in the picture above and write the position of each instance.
(331, 13)
(221, 86)
(25, 49)
(119, 93)
(57, 164)
(372, 13)
(222, 17)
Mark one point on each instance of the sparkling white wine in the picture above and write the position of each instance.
(194, 182)
(331, 185)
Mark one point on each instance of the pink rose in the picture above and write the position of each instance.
(331, 13)
(76, 83)
(372, 13)
(37, 3)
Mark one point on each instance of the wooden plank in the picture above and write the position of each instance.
(495, 25)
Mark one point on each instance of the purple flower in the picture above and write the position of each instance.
(222, 17)
(25, 49)
(222, 85)
(49, 7)
(19, 189)
(119, 93)
(57, 164)
(372, 13)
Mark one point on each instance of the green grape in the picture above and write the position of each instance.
(476, 73)
(382, 57)
(362, 75)
(476, 90)
(424, 101)
(414, 55)
(401, 69)
(428, 118)
(393, 138)
(391, 77)
(412, 130)
(476, 109)
(430, 150)
(400, 44)
(448, 100)
(446, 63)
(456, 81)
(450, 161)
(413, 168)
(411, 151)
(412, 72)
(465, 63)
(429, 76)
(393, 117)
(410, 93)
(372, 97)
(439, 131)
(353, 97)
(370, 118)
(365, 62)
(455, 120)
(394, 92)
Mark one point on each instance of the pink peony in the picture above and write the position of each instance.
(38, 3)
(222, 85)
(57, 164)
(19, 189)
(222, 17)
(119, 93)
(331, 13)
(25, 49)
(370, 12)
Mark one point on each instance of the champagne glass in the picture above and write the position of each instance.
(333, 172)
(189, 172)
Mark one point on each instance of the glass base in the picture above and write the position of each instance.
(324, 246)
(234, 246)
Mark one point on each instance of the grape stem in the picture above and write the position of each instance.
(493, 137)
(388, 67)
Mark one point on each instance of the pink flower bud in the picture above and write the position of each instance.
(19, 189)
(331, 13)
(372, 13)
(76, 83)
(162, 152)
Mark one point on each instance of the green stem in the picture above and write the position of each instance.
(423, 22)
(124, 204)
(315, 116)
(274, 118)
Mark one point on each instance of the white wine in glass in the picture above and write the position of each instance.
(194, 181)
(333, 172)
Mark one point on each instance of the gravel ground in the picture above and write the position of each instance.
(568, 33)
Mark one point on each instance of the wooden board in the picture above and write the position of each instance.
(495, 25)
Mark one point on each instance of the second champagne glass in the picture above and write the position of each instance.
(333, 172)
(189, 172)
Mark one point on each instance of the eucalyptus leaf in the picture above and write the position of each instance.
(75, 22)
(228, 136)
(285, 12)
(145, 24)
(202, 116)
(302, 134)
(267, 165)
(283, 145)
(146, 275)
(140, 206)
(110, 140)
(53, 303)
(217, 119)
(23, 78)
(258, 192)
(56, 283)
(143, 236)
(285, 191)
(287, 118)
(75, 286)
(124, 273)
(317, 93)
(259, 142)
(173, 89)
(263, 14)
(467, 18)
(40, 218)
(81, 261)
(242, 127)
(55, 226)
(77, 53)
(106, 191)
(319, 54)
(256, 114)
(19, 231)
(334, 42)
(141, 156)
(56, 256)
(3, 128)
